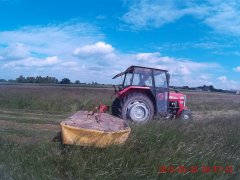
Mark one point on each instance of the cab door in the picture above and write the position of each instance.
(161, 91)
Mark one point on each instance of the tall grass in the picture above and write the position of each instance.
(149, 146)
(70, 99)
(207, 101)
(26, 150)
(51, 98)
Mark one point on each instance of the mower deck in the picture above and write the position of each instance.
(98, 130)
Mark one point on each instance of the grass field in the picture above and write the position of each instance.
(29, 121)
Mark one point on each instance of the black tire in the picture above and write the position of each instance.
(186, 115)
(135, 105)
(116, 108)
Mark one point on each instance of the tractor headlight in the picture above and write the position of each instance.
(183, 100)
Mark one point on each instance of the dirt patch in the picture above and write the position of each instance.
(104, 122)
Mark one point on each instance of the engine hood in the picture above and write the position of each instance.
(174, 96)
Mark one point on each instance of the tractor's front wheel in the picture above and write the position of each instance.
(186, 115)
(137, 107)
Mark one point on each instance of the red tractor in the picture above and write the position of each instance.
(144, 93)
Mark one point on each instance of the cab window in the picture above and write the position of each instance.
(128, 79)
(142, 77)
(160, 79)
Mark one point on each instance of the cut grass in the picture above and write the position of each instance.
(32, 117)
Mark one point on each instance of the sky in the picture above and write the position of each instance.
(197, 41)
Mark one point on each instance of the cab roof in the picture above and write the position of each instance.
(130, 69)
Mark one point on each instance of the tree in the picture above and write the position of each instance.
(65, 81)
(39, 79)
(30, 80)
(211, 88)
(205, 88)
(21, 79)
(3, 80)
(185, 87)
(77, 82)
(11, 81)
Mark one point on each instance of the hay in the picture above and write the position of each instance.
(104, 122)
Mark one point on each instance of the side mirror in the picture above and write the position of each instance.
(168, 77)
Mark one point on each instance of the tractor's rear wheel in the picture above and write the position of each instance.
(136, 107)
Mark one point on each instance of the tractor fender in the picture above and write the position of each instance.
(138, 89)
(131, 88)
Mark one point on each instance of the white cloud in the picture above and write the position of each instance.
(97, 63)
(51, 40)
(204, 77)
(237, 69)
(176, 66)
(152, 57)
(45, 50)
(14, 52)
(184, 70)
(99, 48)
(96, 56)
(228, 84)
(69, 51)
(146, 13)
(78, 51)
(222, 78)
(222, 16)
(225, 17)
(33, 62)
(143, 14)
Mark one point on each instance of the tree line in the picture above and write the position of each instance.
(209, 88)
(43, 80)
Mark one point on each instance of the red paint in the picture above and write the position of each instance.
(173, 96)
(131, 87)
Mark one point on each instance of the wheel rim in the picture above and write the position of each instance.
(185, 117)
(137, 111)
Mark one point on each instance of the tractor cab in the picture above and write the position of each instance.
(143, 93)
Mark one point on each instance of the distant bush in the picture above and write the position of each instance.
(38, 79)
(65, 81)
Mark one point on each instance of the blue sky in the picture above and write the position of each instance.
(91, 40)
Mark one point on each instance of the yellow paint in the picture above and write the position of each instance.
(90, 137)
